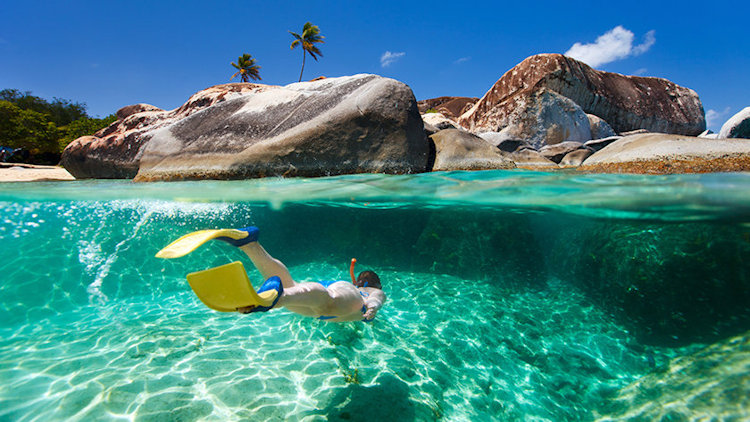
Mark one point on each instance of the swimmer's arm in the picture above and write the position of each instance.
(373, 303)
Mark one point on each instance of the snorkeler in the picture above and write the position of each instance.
(336, 301)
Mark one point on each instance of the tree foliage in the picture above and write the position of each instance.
(310, 36)
(246, 68)
(42, 127)
(59, 111)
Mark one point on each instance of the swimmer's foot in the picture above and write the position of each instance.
(273, 283)
(252, 236)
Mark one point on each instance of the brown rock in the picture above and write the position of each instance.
(625, 102)
(450, 107)
(135, 108)
(459, 150)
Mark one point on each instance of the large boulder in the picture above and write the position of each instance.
(658, 153)
(541, 118)
(738, 126)
(354, 124)
(115, 151)
(450, 107)
(625, 102)
(459, 150)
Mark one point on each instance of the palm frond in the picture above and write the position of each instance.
(247, 68)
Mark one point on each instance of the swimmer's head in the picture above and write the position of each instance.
(368, 279)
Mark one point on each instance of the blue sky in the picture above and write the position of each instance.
(109, 54)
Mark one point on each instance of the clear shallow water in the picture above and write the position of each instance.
(494, 308)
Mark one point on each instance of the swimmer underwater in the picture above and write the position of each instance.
(335, 301)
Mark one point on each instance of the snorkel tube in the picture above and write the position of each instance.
(351, 271)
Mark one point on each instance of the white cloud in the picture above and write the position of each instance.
(714, 117)
(615, 44)
(640, 72)
(389, 57)
(462, 60)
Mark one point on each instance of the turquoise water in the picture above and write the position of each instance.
(512, 295)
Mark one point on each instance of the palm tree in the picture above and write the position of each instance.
(310, 36)
(247, 69)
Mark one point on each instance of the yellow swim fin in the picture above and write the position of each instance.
(192, 241)
(226, 288)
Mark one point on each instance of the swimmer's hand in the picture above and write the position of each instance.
(245, 309)
(370, 314)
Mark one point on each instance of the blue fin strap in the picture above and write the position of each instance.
(273, 283)
(252, 236)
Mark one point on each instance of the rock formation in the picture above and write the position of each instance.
(556, 152)
(459, 150)
(665, 154)
(541, 118)
(599, 128)
(439, 121)
(450, 107)
(738, 126)
(361, 123)
(115, 151)
(625, 102)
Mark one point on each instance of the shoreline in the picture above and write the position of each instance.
(19, 172)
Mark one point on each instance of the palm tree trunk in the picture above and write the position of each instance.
(303, 65)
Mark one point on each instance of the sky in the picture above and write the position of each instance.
(109, 54)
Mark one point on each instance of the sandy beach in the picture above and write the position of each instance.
(13, 172)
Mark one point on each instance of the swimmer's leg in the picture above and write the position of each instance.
(268, 265)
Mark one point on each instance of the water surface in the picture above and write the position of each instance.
(512, 295)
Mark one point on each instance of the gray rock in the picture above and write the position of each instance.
(576, 158)
(531, 159)
(599, 128)
(738, 126)
(459, 150)
(597, 144)
(354, 124)
(430, 129)
(503, 142)
(439, 121)
(665, 154)
(556, 152)
(544, 118)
